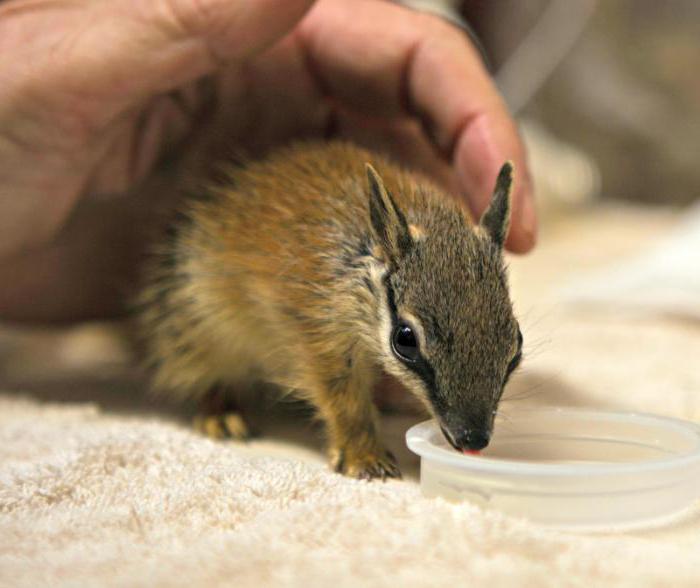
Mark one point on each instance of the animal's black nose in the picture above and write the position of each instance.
(474, 439)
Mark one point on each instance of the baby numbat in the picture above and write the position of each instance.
(318, 267)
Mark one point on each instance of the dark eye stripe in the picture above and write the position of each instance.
(420, 367)
(390, 297)
(515, 362)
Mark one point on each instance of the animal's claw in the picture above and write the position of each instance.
(367, 466)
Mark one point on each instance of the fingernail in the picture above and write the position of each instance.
(528, 214)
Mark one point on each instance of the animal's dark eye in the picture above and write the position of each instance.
(404, 343)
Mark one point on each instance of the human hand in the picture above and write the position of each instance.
(94, 94)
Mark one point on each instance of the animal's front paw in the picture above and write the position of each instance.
(230, 425)
(365, 466)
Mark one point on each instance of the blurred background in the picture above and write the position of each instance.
(608, 97)
(607, 92)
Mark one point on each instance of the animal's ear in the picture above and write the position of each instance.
(388, 223)
(496, 219)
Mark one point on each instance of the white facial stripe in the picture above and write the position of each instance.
(391, 363)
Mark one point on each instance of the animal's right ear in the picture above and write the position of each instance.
(496, 219)
(389, 227)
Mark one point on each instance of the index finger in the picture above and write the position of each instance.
(382, 59)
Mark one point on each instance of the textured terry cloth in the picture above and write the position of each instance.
(88, 499)
(95, 497)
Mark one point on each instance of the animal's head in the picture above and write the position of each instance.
(446, 327)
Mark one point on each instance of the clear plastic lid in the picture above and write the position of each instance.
(570, 467)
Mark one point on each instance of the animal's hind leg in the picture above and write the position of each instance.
(220, 417)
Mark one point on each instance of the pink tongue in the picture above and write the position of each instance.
(471, 451)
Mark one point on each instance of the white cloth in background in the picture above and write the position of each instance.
(664, 280)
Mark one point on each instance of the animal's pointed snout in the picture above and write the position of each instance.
(473, 439)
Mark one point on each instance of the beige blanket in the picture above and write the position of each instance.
(124, 496)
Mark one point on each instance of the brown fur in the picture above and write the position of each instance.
(277, 274)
